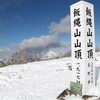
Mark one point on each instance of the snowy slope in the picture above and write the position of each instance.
(43, 80)
(34, 81)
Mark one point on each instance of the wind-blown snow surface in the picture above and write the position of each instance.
(43, 80)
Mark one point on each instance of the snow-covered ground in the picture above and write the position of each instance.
(43, 80)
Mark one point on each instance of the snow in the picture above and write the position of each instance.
(50, 55)
(43, 80)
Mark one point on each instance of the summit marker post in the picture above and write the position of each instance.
(83, 44)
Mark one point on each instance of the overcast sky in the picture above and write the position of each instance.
(38, 23)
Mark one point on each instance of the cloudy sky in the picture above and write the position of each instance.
(38, 23)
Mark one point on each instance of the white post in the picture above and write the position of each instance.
(83, 45)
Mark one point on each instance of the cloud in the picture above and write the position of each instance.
(42, 42)
(63, 27)
(51, 40)
(5, 53)
(4, 4)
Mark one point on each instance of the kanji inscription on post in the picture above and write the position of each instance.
(83, 44)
